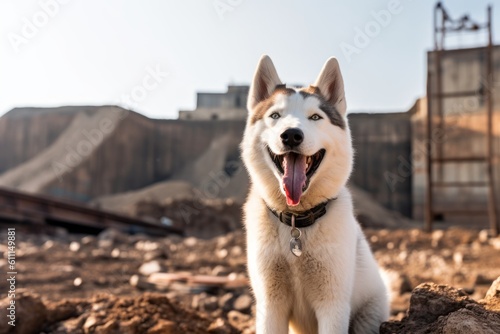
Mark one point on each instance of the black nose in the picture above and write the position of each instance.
(292, 137)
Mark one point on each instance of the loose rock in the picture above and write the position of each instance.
(149, 268)
(243, 303)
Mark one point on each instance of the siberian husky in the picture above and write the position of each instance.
(310, 266)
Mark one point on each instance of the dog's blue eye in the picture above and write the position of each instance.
(315, 117)
(275, 115)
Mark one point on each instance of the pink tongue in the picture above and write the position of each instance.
(294, 178)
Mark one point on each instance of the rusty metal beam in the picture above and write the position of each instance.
(489, 95)
(34, 209)
(471, 212)
(460, 159)
(455, 94)
(429, 217)
(460, 184)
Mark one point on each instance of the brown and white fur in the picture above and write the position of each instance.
(335, 286)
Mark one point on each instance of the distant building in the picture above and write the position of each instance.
(219, 106)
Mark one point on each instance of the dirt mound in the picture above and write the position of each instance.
(149, 313)
(444, 309)
(213, 175)
(178, 203)
(198, 218)
(157, 193)
(371, 214)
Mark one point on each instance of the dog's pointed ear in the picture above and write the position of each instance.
(331, 85)
(264, 82)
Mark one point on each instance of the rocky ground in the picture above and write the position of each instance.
(442, 309)
(116, 283)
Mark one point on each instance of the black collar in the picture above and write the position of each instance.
(304, 218)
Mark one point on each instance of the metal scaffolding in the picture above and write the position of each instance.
(436, 122)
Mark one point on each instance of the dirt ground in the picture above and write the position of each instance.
(99, 284)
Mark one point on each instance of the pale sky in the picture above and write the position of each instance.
(94, 52)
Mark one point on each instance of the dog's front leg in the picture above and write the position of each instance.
(332, 301)
(270, 276)
(334, 318)
(271, 318)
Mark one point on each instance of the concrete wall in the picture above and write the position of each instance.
(382, 143)
(141, 151)
(25, 132)
(37, 143)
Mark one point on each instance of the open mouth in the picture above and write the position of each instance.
(297, 170)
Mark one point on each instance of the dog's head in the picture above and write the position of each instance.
(297, 145)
